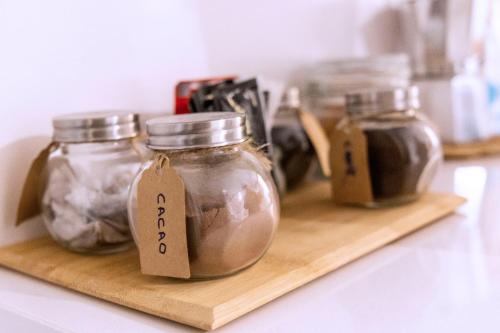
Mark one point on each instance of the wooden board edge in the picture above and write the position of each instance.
(224, 313)
(489, 147)
(203, 319)
(209, 318)
(453, 156)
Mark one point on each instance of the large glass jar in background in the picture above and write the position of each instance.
(232, 205)
(87, 177)
(326, 83)
(403, 148)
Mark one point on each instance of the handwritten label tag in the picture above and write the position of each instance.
(349, 162)
(161, 221)
(319, 139)
(29, 203)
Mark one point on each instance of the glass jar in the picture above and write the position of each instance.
(87, 177)
(294, 151)
(403, 148)
(327, 83)
(232, 205)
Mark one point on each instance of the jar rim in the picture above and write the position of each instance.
(196, 130)
(381, 101)
(95, 126)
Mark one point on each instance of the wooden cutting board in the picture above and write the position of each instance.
(472, 149)
(314, 238)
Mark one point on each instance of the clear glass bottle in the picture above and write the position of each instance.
(87, 177)
(232, 205)
(403, 148)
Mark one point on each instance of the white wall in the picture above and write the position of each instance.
(59, 56)
(273, 38)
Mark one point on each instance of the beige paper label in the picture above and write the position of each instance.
(349, 162)
(29, 203)
(318, 137)
(161, 221)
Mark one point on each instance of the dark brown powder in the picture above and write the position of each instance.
(397, 159)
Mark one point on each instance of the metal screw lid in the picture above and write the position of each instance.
(95, 126)
(291, 98)
(376, 101)
(196, 130)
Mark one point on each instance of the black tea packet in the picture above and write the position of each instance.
(203, 99)
(242, 97)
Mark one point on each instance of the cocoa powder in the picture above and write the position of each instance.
(229, 228)
(231, 232)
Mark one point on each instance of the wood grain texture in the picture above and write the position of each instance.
(473, 149)
(314, 238)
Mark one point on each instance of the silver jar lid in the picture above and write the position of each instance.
(95, 126)
(375, 101)
(196, 130)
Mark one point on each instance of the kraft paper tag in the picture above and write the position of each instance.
(318, 138)
(29, 204)
(161, 221)
(349, 162)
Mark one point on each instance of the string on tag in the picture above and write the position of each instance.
(161, 161)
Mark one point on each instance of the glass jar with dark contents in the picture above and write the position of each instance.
(403, 148)
(294, 151)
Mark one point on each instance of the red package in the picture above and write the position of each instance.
(184, 90)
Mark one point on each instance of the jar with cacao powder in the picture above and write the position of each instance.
(399, 146)
(90, 166)
(231, 203)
